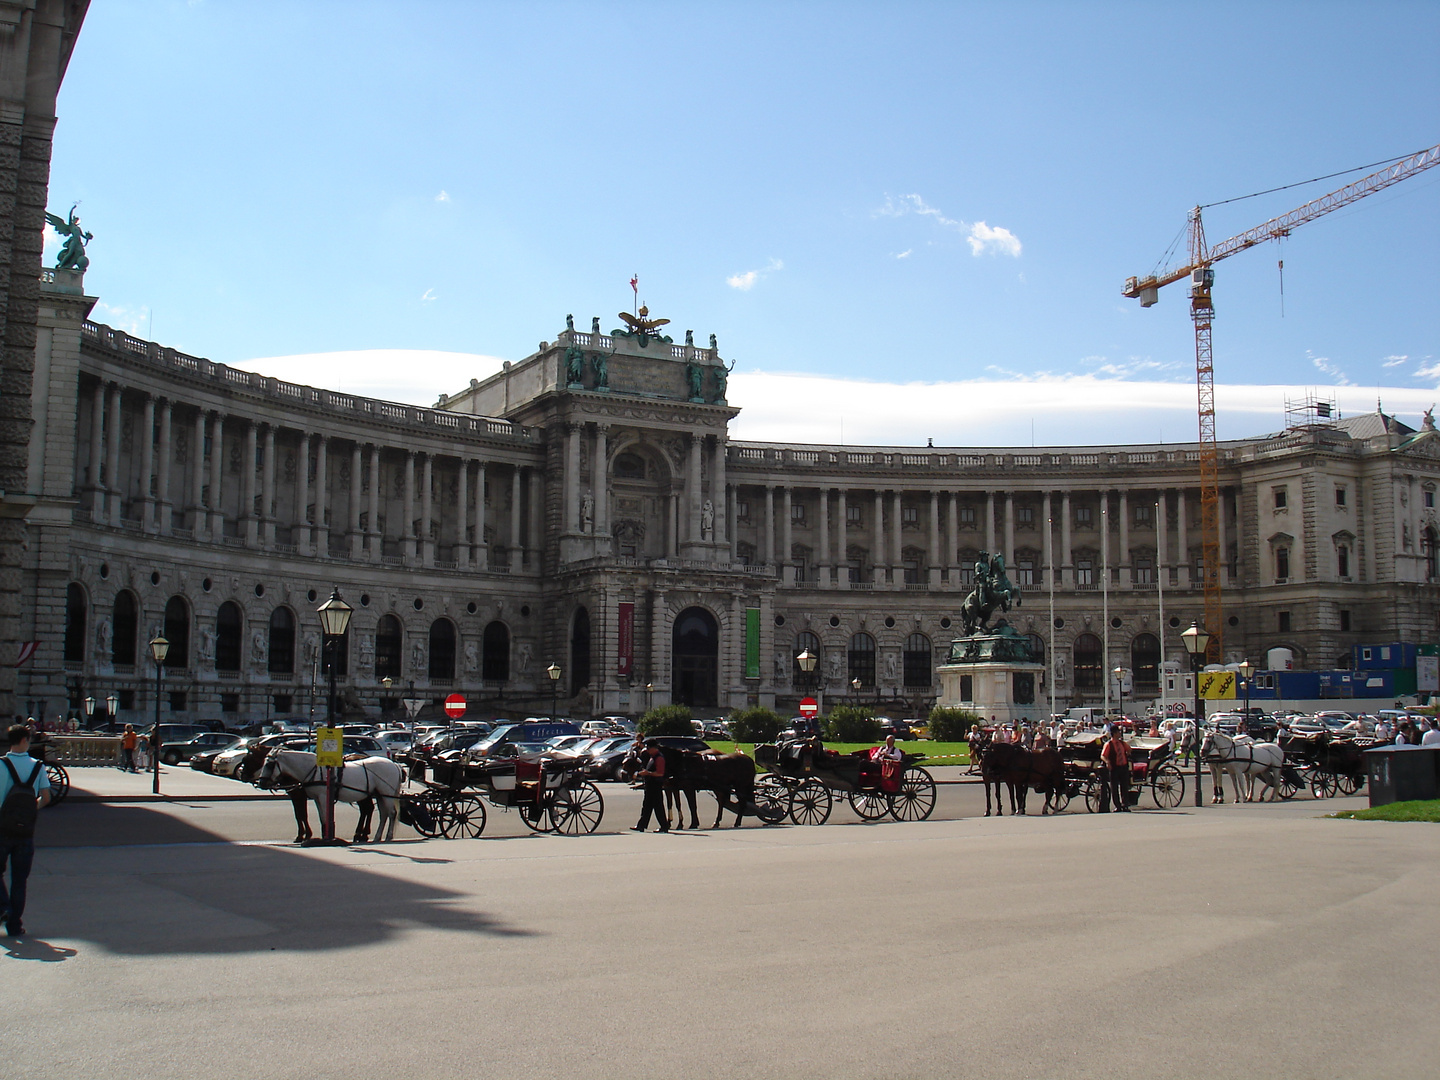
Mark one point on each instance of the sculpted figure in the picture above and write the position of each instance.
(574, 365)
(472, 657)
(102, 640)
(693, 372)
(523, 663)
(570, 323)
(72, 255)
(587, 512)
(707, 519)
(600, 365)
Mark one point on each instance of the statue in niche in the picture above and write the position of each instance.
(574, 365)
(892, 667)
(257, 646)
(694, 373)
(311, 649)
(600, 365)
(781, 665)
(207, 644)
(417, 655)
(1059, 667)
(707, 519)
(587, 512)
(472, 657)
(522, 664)
(1405, 535)
(836, 666)
(102, 639)
(367, 652)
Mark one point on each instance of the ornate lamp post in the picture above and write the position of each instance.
(554, 672)
(159, 649)
(855, 685)
(1119, 674)
(334, 621)
(1196, 641)
(1247, 669)
(89, 710)
(649, 696)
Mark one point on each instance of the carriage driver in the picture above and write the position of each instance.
(653, 776)
(1115, 758)
(889, 752)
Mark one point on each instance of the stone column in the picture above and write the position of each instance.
(462, 516)
(112, 458)
(427, 488)
(1182, 542)
(375, 539)
(697, 444)
(600, 471)
(897, 547)
(321, 532)
(842, 541)
(300, 535)
(1010, 531)
(535, 524)
(198, 520)
(357, 486)
(1162, 539)
(933, 556)
(217, 478)
(769, 525)
(878, 530)
(823, 523)
(163, 503)
(672, 525)
(408, 524)
(1223, 569)
(1047, 549)
(719, 486)
(1067, 555)
(1105, 544)
(659, 640)
(482, 549)
(147, 465)
(97, 453)
(517, 553)
(251, 527)
(787, 522)
(267, 489)
(990, 522)
(1126, 562)
(952, 550)
(572, 480)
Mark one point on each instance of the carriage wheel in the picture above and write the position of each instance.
(534, 815)
(1349, 783)
(810, 803)
(464, 818)
(433, 807)
(772, 800)
(1323, 785)
(59, 782)
(1060, 797)
(1093, 789)
(1167, 787)
(577, 809)
(869, 805)
(915, 801)
(1290, 782)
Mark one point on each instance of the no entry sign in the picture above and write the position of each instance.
(454, 706)
(808, 707)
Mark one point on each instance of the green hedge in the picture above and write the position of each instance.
(755, 725)
(667, 720)
(948, 724)
(852, 723)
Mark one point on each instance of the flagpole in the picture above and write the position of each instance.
(1161, 570)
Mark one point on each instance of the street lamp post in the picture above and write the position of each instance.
(89, 710)
(1196, 641)
(554, 672)
(334, 621)
(1247, 669)
(1119, 674)
(159, 649)
(649, 696)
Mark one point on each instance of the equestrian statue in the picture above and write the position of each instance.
(992, 590)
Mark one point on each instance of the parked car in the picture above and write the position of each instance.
(604, 758)
(174, 753)
(595, 728)
(228, 761)
(899, 728)
(394, 742)
(716, 729)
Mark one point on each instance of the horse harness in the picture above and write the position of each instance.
(314, 779)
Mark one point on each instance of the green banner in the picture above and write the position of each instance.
(752, 643)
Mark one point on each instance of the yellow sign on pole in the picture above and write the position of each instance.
(329, 748)
(1217, 685)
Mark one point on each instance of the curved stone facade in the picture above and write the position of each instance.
(585, 507)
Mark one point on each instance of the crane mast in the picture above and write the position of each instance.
(1199, 269)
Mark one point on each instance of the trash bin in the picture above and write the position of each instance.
(1403, 773)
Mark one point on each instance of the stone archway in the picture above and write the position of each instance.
(696, 649)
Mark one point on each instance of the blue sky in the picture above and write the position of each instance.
(943, 199)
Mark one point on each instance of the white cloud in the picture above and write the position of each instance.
(1323, 365)
(905, 254)
(981, 237)
(444, 196)
(746, 281)
(429, 296)
(410, 376)
(1428, 371)
(133, 320)
(1394, 361)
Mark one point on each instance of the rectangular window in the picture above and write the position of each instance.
(1144, 571)
(1024, 571)
(1025, 515)
(967, 687)
(1084, 517)
(912, 572)
(1342, 560)
(967, 517)
(1084, 572)
(742, 510)
(909, 515)
(1344, 621)
(797, 513)
(1281, 496)
(1339, 496)
(852, 515)
(1284, 622)
(177, 699)
(967, 573)
(1282, 563)
(1429, 500)
(1144, 515)
(229, 702)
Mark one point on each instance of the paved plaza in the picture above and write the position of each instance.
(183, 941)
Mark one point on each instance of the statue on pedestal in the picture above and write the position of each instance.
(72, 255)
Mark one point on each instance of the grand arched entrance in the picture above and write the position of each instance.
(696, 648)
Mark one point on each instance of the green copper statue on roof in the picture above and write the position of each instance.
(72, 255)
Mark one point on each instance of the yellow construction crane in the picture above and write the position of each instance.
(1202, 311)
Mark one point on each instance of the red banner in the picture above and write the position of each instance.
(625, 643)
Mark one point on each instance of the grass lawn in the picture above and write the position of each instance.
(936, 753)
(1419, 810)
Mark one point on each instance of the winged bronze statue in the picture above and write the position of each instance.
(72, 255)
(642, 324)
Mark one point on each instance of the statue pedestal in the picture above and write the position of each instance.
(993, 675)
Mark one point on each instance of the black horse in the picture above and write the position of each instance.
(1020, 770)
(726, 776)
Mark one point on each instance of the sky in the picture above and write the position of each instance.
(903, 221)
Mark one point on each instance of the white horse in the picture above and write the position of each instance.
(1246, 761)
(376, 778)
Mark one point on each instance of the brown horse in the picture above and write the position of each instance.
(1020, 770)
(724, 775)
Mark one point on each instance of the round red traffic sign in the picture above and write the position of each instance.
(455, 706)
(808, 707)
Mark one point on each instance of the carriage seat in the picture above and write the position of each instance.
(527, 774)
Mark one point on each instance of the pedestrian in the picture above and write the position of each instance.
(653, 776)
(1115, 762)
(1432, 735)
(128, 742)
(142, 753)
(24, 789)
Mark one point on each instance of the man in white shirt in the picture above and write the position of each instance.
(1432, 736)
(1383, 733)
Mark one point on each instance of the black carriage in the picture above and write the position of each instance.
(43, 750)
(1327, 764)
(805, 778)
(1152, 766)
(549, 793)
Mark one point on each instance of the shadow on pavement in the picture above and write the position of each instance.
(30, 948)
(209, 896)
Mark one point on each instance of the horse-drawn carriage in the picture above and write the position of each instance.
(1152, 765)
(43, 750)
(805, 778)
(1327, 763)
(549, 793)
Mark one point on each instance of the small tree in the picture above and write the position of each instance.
(852, 723)
(949, 724)
(667, 720)
(756, 725)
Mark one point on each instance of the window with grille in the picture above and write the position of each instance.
(917, 660)
(1084, 516)
(1084, 572)
(862, 659)
(967, 517)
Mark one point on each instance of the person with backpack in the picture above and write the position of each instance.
(24, 789)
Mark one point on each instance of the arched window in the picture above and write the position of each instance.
(229, 626)
(177, 633)
(124, 629)
(1037, 647)
(629, 467)
(1089, 659)
(862, 659)
(282, 642)
(389, 638)
(918, 661)
(76, 613)
(803, 641)
(1145, 661)
(580, 651)
(442, 650)
(495, 663)
(695, 644)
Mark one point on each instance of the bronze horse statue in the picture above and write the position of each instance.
(992, 590)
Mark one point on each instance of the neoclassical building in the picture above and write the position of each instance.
(586, 508)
